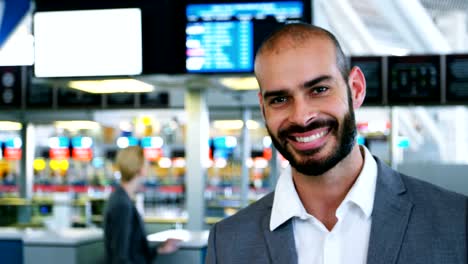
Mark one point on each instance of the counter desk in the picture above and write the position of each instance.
(11, 245)
(192, 248)
(71, 246)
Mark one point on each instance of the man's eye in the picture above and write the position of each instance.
(278, 100)
(319, 90)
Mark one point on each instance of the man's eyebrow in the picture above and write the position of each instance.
(317, 80)
(274, 93)
(307, 84)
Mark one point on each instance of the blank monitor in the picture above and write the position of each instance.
(101, 42)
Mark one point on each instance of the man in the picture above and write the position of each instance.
(124, 233)
(338, 203)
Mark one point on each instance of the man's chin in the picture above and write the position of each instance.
(311, 163)
(319, 153)
(308, 162)
(314, 169)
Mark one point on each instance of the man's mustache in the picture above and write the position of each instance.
(294, 128)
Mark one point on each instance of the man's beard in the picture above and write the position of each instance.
(345, 142)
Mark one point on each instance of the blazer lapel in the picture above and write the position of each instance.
(280, 242)
(390, 217)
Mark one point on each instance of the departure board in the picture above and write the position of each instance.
(457, 78)
(227, 46)
(414, 80)
(154, 99)
(39, 96)
(372, 68)
(223, 37)
(71, 98)
(125, 100)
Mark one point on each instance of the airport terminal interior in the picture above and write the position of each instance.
(80, 80)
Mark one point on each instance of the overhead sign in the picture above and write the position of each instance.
(11, 13)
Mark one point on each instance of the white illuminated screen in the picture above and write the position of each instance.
(100, 42)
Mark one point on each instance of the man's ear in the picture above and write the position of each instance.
(357, 84)
(260, 101)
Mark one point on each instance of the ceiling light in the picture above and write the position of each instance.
(240, 83)
(112, 86)
(10, 126)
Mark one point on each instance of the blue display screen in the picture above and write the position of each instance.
(224, 37)
(220, 11)
(226, 46)
(13, 143)
(132, 141)
(151, 142)
(82, 142)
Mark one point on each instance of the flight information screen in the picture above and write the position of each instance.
(223, 37)
(414, 79)
(457, 78)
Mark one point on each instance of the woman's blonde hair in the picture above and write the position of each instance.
(129, 162)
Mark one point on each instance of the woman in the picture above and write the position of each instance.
(125, 237)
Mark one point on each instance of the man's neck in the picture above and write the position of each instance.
(322, 195)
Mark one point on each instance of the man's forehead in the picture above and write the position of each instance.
(288, 41)
(287, 44)
(311, 50)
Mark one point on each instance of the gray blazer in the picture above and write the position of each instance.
(412, 222)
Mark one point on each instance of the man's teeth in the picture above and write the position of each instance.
(311, 138)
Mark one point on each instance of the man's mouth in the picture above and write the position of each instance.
(309, 141)
(312, 137)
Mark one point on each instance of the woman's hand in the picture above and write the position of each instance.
(169, 246)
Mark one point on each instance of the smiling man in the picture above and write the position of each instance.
(337, 203)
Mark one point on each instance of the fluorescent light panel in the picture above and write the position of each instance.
(112, 86)
(10, 126)
(240, 83)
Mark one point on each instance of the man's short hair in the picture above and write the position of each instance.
(298, 33)
(129, 162)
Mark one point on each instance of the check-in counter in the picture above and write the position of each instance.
(192, 248)
(72, 246)
(156, 224)
(11, 246)
(10, 210)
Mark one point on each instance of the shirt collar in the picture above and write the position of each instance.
(286, 203)
(363, 190)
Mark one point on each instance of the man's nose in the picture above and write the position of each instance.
(302, 112)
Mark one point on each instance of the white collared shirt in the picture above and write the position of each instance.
(348, 241)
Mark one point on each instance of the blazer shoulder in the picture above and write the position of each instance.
(249, 214)
(447, 204)
(419, 188)
(416, 190)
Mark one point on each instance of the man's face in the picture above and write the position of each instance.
(307, 106)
